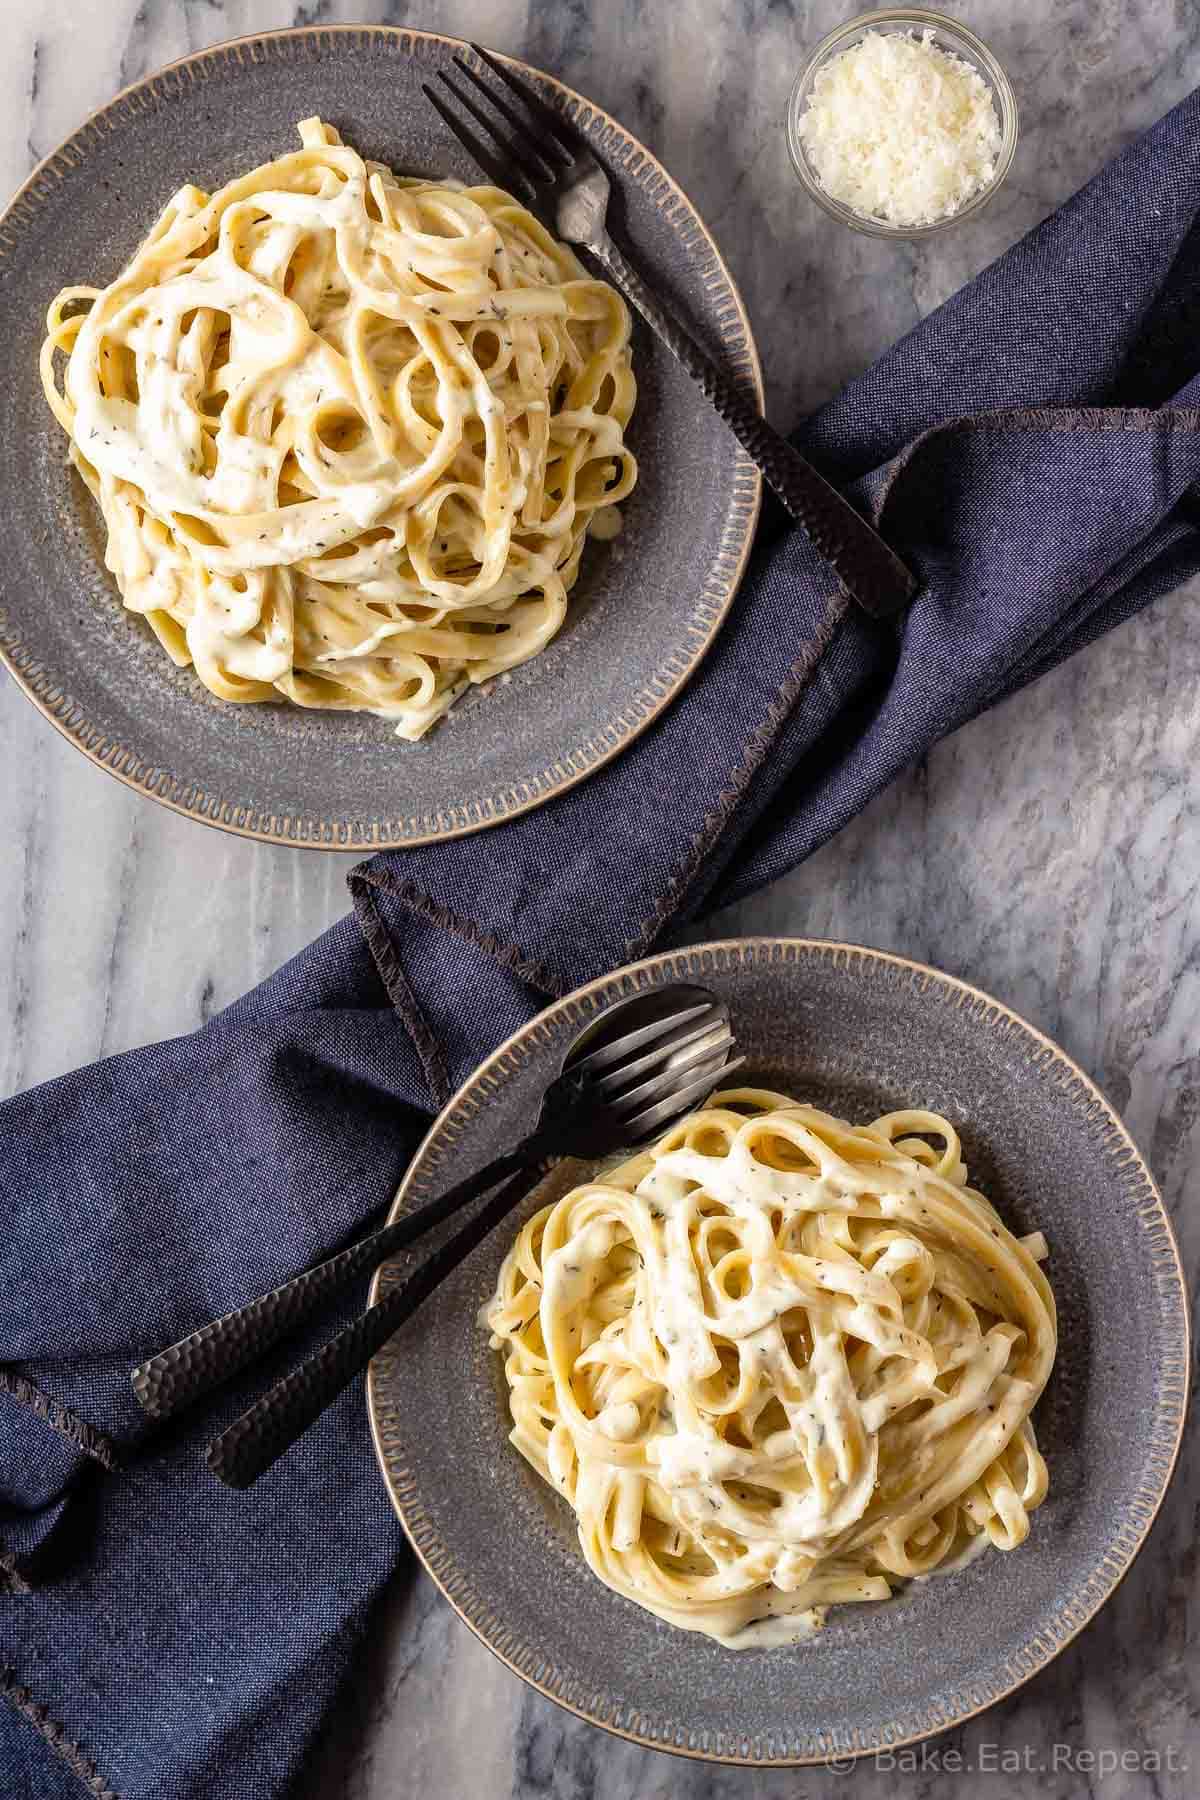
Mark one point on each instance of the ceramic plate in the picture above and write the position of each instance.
(859, 1033)
(645, 608)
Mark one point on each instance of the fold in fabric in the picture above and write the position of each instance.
(1030, 450)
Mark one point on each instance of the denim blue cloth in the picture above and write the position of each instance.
(1031, 451)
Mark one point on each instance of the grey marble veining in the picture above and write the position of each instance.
(1050, 853)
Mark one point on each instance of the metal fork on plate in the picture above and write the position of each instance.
(538, 155)
(640, 1065)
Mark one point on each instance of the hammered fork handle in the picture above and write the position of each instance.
(260, 1436)
(869, 571)
(207, 1358)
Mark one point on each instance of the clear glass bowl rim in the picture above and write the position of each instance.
(974, 50)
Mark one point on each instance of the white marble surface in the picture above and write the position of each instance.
(1050, 853)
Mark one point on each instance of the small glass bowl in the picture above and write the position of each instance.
(948, 35)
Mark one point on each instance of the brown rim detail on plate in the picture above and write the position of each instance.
(357, 829)
(1162, 1292)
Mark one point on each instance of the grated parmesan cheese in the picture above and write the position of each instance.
(899, 130)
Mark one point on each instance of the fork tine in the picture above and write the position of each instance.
(503, 176)
(596, 1060)
(658, 1083)
(666, 1053)
(552, 122)
(654, 1117)
(516, 154)
(551, 159)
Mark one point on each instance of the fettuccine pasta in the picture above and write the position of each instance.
(347, 430)
(778, 1362)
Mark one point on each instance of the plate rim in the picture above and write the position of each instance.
(689, 961)
(40, 686)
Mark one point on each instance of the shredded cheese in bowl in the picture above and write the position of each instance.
(898, 130)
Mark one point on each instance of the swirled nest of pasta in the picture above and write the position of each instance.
(777, 1362)
(348, 431)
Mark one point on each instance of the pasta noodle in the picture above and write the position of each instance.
(347, 431)
(778, 1362)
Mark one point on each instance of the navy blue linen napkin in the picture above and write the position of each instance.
(1031, 450)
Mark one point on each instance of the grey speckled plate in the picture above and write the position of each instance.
(860, 1033)
(643, 613)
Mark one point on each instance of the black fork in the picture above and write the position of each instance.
(533, 151)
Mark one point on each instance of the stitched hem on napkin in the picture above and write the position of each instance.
(18, 1569)
(64, 1747)
(1030, 418)
(85, 1437)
